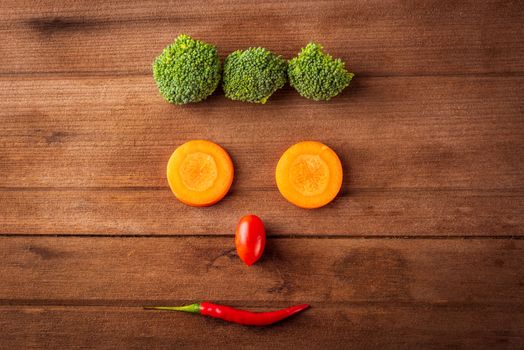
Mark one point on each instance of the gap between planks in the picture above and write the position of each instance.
(254, 189)
(486, 236)
(247, 304)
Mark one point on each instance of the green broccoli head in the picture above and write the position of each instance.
(316, 75)
(187, 71)
(253, 75)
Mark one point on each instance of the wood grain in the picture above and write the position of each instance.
(422, 249)
(337, 327)
(138, 271)
(377, 38)
(426, 155)
(373, 292)
(415, 132)
(139, 211)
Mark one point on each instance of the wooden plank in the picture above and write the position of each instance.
(432, 132)
(357, 213)
(434, 155)
(374, 292)
(337, 327)
(382, 38)
(109, 271)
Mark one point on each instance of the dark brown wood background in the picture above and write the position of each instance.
(422, 249)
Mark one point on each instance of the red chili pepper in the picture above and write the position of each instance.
(230, 314)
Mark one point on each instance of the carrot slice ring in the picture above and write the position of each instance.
(309, 174)
(200, 173)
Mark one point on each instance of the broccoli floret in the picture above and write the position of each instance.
(187, 71)
(253, 75)
(316, 75)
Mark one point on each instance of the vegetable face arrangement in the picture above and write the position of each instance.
(200, 173)
(189, 71)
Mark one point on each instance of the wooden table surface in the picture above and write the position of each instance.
(422, 249)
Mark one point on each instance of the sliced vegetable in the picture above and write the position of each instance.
(200, 173)
(309, 174)
(250, 239)
(230, 314)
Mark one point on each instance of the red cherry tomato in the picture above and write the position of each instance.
(250, 239)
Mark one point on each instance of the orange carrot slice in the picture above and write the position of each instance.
(309, 174)
(200, 173)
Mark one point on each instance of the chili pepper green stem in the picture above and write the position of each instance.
(193, 308)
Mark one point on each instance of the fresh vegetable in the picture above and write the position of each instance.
(187, 71)
(250, 239)
(230, 314)
(200, 173)
(309, 174)
(316, 75)
(253, 75)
